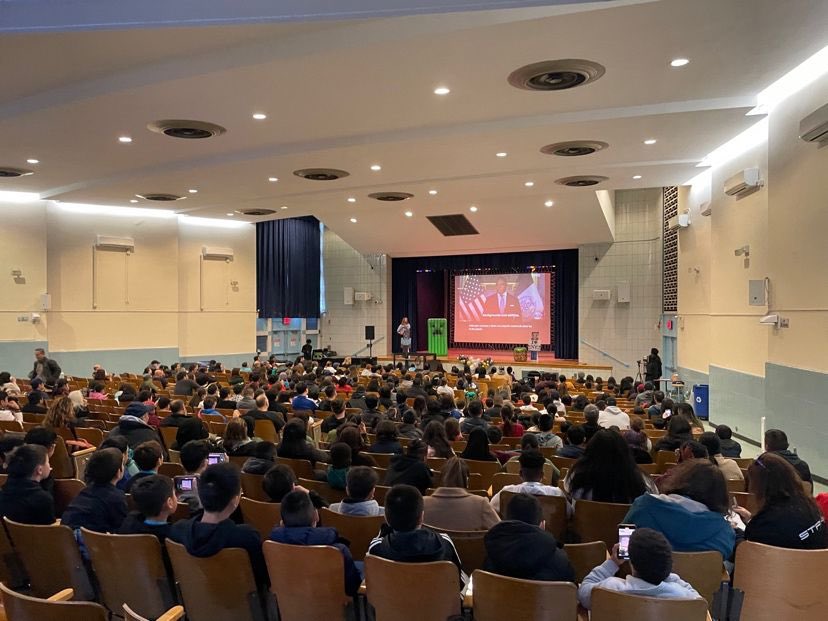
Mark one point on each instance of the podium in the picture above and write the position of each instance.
(438, 336)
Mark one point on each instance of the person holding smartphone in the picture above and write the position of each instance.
(651, 562)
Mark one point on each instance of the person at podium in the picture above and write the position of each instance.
(502, 302)
(404, 330)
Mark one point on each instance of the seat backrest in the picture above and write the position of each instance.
(62, 465)
(412, 591)
(51, 558)
(562, 462)
(746, 500)
(617, 606)
(130, 569)
(502, 479)
(598, 521)
(322, 488)
(173, 614)
(498, 597)
(263, 516)
(297, 574)
(359, 530)
(20, 607)
(736, 485)
(171, 469)
(252, 486)
(265, 430)
(64, 492)
(487, 470)
(379, 493)
(80, 459)
(584, 557)
(10, 425)
(662, 458)
(469, 545)
(216, 587)
(703, 570)
(553, 508)
(302, 468)
(383, 459)
(11, 569)
(168, 435)
(780, 583)
(90, 434)
(650, 469)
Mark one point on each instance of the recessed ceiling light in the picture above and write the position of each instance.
(636, 176)
(549, 203)
(133, 200)
(193, 191)
(231, 214)
(33, 161)
(353, 220)
(376, 167)
(259, 116)
(501, 154)
(124, 139)
(273, 179)
(529, 184)
(650, 141)
(351, 199)
(442, 90)
(409, 214)
(679, 62)
(473, 209)
(433, 192)
(284, 206)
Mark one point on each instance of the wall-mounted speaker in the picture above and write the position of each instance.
(369, 333)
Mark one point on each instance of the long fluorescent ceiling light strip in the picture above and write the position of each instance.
(18, 197)
(213, 222)
(807, 72)
(123, 212)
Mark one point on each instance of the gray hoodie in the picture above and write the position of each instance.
(358, 507)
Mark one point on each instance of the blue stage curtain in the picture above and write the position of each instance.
(287, 267)
(404, 287)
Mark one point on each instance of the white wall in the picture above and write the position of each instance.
(624, 331)
(343, 327)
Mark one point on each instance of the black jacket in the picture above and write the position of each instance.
(174, 420)
(422, 545)
(800, 465)
(205, 540)
(134, 525)
(135, 431)
(521, 550)
(731, 448)
(25, 501)
(408, 470)
(185, 387)
(652, 370)
(51, 371)
(331, 423)
(789, 525)
(101, 508)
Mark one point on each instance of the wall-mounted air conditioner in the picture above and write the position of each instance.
(681, 221)
(743, 183)
(107, 242)
(814, 127)
(215, 253)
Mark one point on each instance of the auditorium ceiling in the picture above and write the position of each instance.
(359, 93)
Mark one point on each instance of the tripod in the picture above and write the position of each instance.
(639, 378)
(370, 348)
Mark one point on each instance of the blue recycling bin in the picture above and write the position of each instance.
(701, 400)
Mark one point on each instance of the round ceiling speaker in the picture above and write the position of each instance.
(556, 75)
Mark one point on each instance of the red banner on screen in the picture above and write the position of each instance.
(501, 308)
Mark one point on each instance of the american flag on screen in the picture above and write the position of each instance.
(472, 297)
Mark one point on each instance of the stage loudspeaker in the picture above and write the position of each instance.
(369, 333)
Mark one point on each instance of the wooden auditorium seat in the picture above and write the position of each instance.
(617, 606)
(359, 530)
(412, 591)
(496, 598)
(263, 516)
(56, 607)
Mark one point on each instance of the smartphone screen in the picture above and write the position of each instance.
(185, 484)
(624, 533)
(216, 458)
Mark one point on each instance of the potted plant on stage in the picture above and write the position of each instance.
(520, 353)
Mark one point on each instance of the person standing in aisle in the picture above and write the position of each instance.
(404, 330)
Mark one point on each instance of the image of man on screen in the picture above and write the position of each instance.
(502, 302)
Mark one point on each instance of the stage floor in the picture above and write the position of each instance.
(500, 357)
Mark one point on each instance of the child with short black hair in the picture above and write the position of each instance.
(340, 463)
(22, 498)
(148, 456)
(651, 563)
(154, 498)
(100, 506)
(298, 527)
(360, 485)
(194, 456)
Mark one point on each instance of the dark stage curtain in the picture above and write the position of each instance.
(287, 267)
(430, 303)
(405, 289)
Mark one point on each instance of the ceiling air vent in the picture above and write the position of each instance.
(556, 75)
(159, 197)
(453, 225)
(581, 181)
(8, 171)
(574, 148)
(190, 130)
(256, 212)
(390, 197)
(321, 174)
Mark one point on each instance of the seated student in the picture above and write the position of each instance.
(47, 438)
(360, 485)
(730, 448)
(337, 417)
(100, 506)
(237, 440)
(409, 429)
(410, 468)
(178, 414)
(776, 441)
(34, 404)
(371, 416)
(387, 442)
(546, 438)
(280, 480)
(520, 547)
(148, 457)
(194, 456)
(651, 562)
(154, 498)
(730, 469)
(7, 444)
(301, 400)
(299, 528)
(403, 537)
(262, 460)
(531, 475)
(340, 463)
(22, 499)
(529, 442)
(219, 490)
(295, 444)
(451, 507)
(576, 443)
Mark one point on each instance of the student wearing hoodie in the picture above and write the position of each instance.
(219, 490)
(613, 416)
(730, 448)
(403, 537)
(100, 506)
(359, 487)
(298, 528)
(520, 547)
(690, 511)
(776, 441)
(410, 468)
(134, 426)
(155, 501)
(22, 498)
(651, 564)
